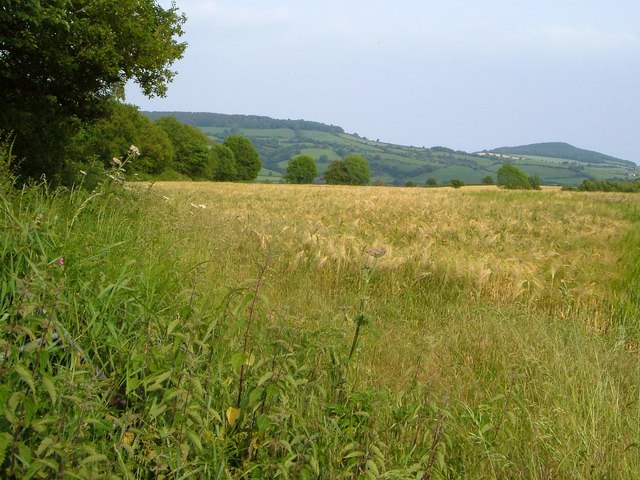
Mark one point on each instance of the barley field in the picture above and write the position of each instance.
(280, 331)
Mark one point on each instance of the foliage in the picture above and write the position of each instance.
(456, 183)
(358, 169)
(63, 62)
(112, 136)
(277, 141)
(534, 181)
(563, 150)
(352, 170)
(248, 162)
(431, 182)
(132, 316)
(301, 169)
(609, 186)
(512, 178)
(192, 149)
(234, 122)
(225, 164)
(336, 173)
(488, 180)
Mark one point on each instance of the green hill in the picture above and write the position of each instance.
(560, 150)
(279, 140)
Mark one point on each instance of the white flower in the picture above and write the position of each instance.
(133, 150)
(116, 161)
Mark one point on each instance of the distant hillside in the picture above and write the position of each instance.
(562, 151)
(202, 119)
(277, 141)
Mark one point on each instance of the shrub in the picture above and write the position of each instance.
(488, 180)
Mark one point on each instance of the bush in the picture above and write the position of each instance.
(456, 183)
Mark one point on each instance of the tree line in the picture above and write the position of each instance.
(206, 119)
(169, 150)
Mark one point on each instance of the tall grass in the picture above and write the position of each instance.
(205, 331)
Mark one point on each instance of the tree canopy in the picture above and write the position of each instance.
(248, 162)
(352, 170)
(225, 164)
(192, 149)
(301, 169)
(62, 62)
(512, 178)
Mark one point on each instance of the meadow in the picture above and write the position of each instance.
(198, 330)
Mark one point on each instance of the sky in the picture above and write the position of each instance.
(464, 74)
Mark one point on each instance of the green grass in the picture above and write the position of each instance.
(502, 335)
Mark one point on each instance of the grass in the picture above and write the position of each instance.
(205, 330)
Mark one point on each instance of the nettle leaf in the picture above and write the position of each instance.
(5, 441)
(44, 446)
(95, 458)
(156, 410)
(195, 439)
(255, 395)
(263, 423)
(47, 383)
(26, 376)
(12, 404)
(237, 359)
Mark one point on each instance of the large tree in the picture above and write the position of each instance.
(358, 168)
(225, 164)
(63, 61)
(512, 178)
(248, 162)
(336, 173)
(352, 170)
(301, 169)
(114, 134)
(193, 155)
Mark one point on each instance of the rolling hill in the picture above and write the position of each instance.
(279, 140)
(562, 151)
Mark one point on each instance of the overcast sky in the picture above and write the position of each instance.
(465, 74)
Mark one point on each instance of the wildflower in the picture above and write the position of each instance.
(82, 172)
(376, 252)
(116, 161)
(128, 437)
(233, 414)
(60, 261)
(133, 150)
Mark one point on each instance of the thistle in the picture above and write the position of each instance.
(362, 318)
